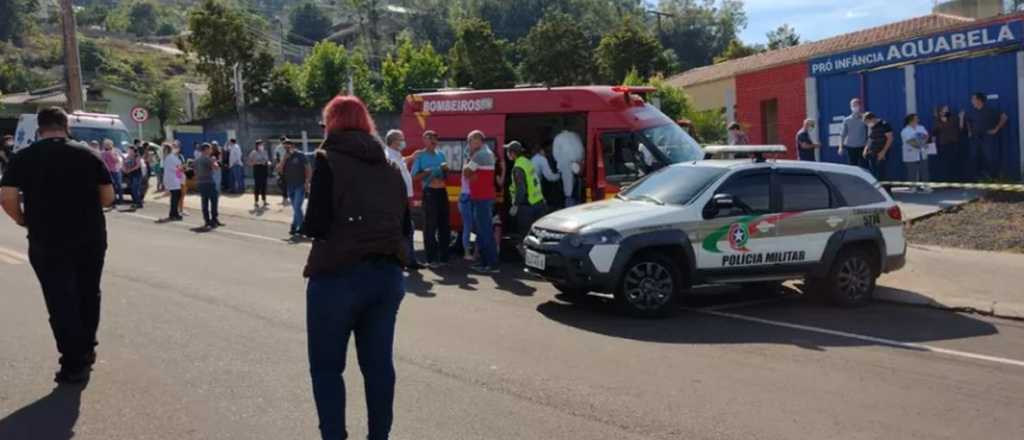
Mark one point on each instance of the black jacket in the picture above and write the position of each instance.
(356, 205)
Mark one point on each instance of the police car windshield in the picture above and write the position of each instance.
(677, 185)
(88, 134)
(674, 143)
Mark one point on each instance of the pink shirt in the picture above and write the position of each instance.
(113, 160)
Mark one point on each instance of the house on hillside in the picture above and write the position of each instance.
(99, 98)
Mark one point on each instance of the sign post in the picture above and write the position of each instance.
(139, 115)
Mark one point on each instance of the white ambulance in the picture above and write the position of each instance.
(84, 127)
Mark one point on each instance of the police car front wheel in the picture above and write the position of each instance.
(649, 286)
(851, 282)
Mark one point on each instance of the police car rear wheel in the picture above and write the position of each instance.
(648, 286)
(852, 279)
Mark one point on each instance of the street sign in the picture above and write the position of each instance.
(140, 114)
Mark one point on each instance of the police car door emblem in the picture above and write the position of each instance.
(833, 222)
(738, 237)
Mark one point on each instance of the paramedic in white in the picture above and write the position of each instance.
(568, 151)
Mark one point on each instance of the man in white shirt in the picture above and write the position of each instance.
(395, 141)
(568, 152)
(235, 164)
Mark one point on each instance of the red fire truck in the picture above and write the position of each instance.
(624, 136)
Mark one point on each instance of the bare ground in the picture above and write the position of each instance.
(994, 223)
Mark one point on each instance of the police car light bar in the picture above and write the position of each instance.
(757, 151)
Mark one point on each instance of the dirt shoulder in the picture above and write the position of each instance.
(993, 223)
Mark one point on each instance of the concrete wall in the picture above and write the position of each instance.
(786, 85)
(121, 104)
(711, 95)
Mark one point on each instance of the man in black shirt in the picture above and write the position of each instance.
(880, 139)
(65, 186)
(983, 125)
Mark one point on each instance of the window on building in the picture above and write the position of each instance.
(770, 121)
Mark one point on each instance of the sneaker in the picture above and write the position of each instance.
(217, 223)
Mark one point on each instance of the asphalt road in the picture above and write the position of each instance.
(203, 337)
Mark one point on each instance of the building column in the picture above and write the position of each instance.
(1020, 110)
(910, 88)
(811, 94)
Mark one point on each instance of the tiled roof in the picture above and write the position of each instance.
(854, 40)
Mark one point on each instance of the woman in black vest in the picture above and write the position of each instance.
(356, 203)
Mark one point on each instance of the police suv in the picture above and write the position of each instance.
(751, 222)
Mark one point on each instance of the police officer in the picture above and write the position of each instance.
(524, 191)
(65, 186)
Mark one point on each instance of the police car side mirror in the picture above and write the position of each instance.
(719, 203)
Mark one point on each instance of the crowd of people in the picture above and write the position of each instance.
(965, 146)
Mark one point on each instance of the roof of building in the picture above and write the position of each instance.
(53, 95)
(840, 43)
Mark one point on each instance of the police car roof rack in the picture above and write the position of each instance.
(740, 151)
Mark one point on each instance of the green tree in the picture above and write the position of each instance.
(220, 38)
(478, 59)
(783, 36)
(736, 49)
(309, 23)
(408, 68)
(628, 47)
(142, 18)
(284, 88)
(698, 30)
(709, 126)
(16, 19)
(672, 100)
(325, 73)
(165, 103)
(556, 52)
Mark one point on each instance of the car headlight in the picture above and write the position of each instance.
(604, 236)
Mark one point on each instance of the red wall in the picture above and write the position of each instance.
(784, 83)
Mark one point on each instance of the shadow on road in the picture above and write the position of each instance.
(895, 322)
(416, 285)
(52, 417)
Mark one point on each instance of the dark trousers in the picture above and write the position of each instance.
(175, 202)
(984, 157)
(436, 231)
(210, 197)
(70, 279)
(409, 230)
(259, 175)
(526, 215)
(855, 155)
(362, 299)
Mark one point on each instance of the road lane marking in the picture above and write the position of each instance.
(882, 341)
(11, 256)
(220, 230)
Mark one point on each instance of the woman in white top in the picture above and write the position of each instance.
(174, 175)
(915, 151)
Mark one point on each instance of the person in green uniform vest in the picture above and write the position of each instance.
(526, 196)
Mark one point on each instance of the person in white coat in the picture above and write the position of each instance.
(568, 151)
(915, 151)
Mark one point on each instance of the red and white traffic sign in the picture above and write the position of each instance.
(140, 114)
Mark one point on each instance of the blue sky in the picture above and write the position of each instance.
(818, 19)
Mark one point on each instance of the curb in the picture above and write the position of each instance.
(994, 309)
(942, 210)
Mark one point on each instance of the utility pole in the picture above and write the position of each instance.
(72, 68)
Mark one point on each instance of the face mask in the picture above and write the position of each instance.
(855, 108)
(947, 113)
(401, 145)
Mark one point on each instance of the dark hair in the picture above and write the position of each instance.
(52, 118)
(870, 116)
(204, 147)
(908, 118)
(980, 97)
(8, 137)
(232, 140)
(734, 126)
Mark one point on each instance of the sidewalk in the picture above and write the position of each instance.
(918, 206)
(234, 205)
(958, 278)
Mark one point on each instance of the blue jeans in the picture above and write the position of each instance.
(116, 179)
(362, 299)
(210, 196)
(466, 210)
(238, 179)
(482, 211)
(135, 186)
(296, 195)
